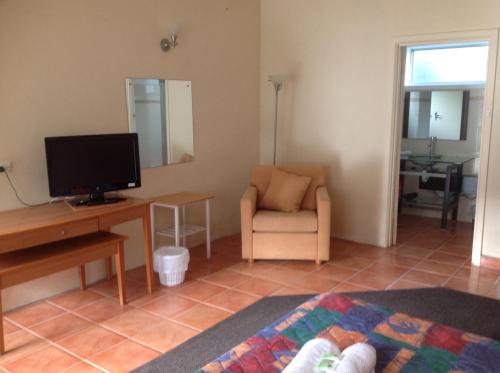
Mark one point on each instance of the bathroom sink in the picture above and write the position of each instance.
(424, 159)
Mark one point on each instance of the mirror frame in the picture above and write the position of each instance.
(464, 118)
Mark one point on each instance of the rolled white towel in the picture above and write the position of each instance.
(310, 354)
(357, 358)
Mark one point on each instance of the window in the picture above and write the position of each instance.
(446, 64)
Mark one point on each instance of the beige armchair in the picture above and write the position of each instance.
(305, 235)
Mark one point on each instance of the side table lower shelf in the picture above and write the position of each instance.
(185, 230)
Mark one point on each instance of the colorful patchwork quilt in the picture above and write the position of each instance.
(403, 343)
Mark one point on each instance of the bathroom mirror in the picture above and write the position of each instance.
(160, 112)
(438, 113)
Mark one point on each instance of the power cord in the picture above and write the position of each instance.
(16, 193)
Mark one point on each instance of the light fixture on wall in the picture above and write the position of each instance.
(171, 42)
(277, 81)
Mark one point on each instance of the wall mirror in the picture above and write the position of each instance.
(439, 113)
(161, 113)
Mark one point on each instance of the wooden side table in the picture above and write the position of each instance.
(178, 203)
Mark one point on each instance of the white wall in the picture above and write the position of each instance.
(63, 66)
(337, 105)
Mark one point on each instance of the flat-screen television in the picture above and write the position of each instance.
(92, 165)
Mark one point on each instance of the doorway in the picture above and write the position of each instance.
(440, 138)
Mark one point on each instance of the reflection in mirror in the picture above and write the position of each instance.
(441, 114)
(161, 113)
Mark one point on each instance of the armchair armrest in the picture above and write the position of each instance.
(248, 203)
(248, 207)
(324, 222)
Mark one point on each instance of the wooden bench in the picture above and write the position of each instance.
(24, 265)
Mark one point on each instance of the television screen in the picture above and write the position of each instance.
(92, 164)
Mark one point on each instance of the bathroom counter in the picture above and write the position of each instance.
(443, 173)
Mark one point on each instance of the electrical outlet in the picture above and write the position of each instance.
(5, 166)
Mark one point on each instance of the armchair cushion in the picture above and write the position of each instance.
(285, 192)
(261, 177)
(304, 221)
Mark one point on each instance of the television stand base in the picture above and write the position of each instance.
(80, 202)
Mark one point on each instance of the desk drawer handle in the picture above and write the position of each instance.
(63, 232)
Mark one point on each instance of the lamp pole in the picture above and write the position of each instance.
(278, 84)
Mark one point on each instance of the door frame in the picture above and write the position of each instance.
(400, 46)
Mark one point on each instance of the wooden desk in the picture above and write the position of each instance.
(33, 226)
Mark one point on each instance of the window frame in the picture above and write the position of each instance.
(410, 64)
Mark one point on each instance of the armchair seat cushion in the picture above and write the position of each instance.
(304, 221)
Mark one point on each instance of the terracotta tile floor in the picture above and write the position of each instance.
(89, 331)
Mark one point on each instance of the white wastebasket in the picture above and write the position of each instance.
(171, 263)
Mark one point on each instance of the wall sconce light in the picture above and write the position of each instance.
(171, 41)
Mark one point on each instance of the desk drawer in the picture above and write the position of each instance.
(122, 216)
(51, 233)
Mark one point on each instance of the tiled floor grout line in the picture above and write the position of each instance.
(282, 284)
(228, 265)
(197, 301)
(450, 264)
(171, 318)
(33, 352)
(50, 342)
(166, 318)
(423, 270)
(184, 324)
(421, 261)
(364, 287)
(460, 266)
(94, 324)
(121, 334)
(68, 309)
(142, 343)
(87, 359)
(254, 294)
(127, 337)
(457, 270)
(62, 308)
(417, 283)
(232, 288)
(207, 303)
(346, 280)
(86, 362)
(80, 358)
(97, 366)
(282, 266)
(103, 326)
(38, 323)
(492, 287)
(173, 292)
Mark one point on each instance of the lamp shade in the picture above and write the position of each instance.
(277, 78)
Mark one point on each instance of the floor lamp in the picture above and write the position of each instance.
(277, 81)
